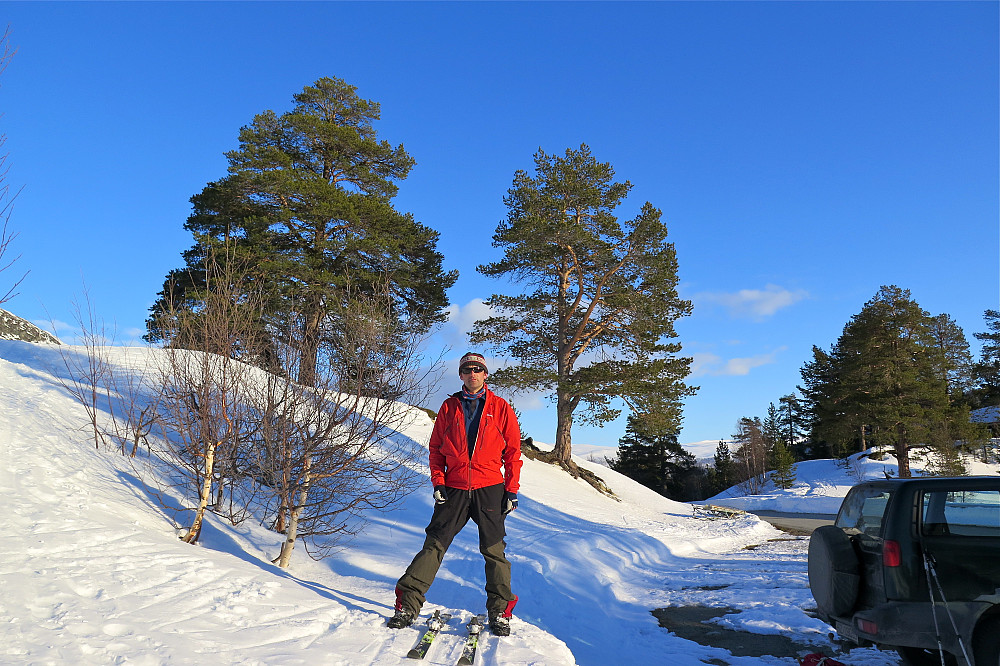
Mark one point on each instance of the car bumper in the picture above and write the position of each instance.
(911, 624)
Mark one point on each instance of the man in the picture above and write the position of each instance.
(475, 434)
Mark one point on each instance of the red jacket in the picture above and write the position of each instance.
(497, 443)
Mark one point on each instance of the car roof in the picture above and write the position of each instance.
(970, 482)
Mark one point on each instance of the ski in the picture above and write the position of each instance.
(434, 625)
(475, 627)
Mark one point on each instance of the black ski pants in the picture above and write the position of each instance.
(485, 507)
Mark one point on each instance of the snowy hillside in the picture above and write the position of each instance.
(92, 571)
(820, 485)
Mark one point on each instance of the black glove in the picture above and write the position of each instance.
(440, 495)
(509, 502)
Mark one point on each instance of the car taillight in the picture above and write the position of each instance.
(867, 626)
(891, 555)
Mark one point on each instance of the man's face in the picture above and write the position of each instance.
(473, 376)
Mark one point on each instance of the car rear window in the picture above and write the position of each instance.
(862, 511)
(963, 513)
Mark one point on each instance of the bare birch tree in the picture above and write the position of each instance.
(203, 419)
(331, 452)
(750, 455)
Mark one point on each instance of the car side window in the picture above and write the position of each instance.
(863, 510)
(961, 513)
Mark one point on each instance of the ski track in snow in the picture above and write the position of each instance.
(92, 572)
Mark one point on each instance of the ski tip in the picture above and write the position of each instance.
(414, 654)
(464, 661)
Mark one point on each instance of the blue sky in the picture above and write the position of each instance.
(803, 154)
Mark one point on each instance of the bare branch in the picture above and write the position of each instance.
(6, 202)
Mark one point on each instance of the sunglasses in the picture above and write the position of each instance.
(468, 370)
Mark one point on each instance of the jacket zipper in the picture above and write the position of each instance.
(474, 446)
(472, 452)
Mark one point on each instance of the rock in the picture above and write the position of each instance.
(13, 327)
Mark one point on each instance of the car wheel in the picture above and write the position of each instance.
(987, 645)
(912, 656)
(833, 570)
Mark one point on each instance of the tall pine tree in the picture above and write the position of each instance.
(307, 202)
(953, 359)
(771, 425)
(594, 317)
(792, 423)
(886, 382)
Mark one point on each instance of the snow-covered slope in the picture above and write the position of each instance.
(820, 485)
(92, 572)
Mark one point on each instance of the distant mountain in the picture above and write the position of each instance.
(13, 327)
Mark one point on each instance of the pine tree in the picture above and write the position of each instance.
(780, 457)
(783, 464)
(987, 369)
(771, 426)
(886, 381)
(835, 429)
(308, 203)
(598, 299)
(792, 421)
(952, 357)
(656, 461)
(723, 475)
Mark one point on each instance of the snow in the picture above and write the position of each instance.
(820, 485)
(92, 571)
(986, 414)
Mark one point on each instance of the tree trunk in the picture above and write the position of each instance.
(284, 494)
(310, 350)
(903, 456)
(206, 492)
(564, 425)
(282, 489)
(220, 493)
(313, 317)
(285, 557)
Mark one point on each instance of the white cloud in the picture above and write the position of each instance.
(713, 365)
(743, 366)
(753, 303)
(463, 317)
(702, 363)
(525, 402)
(55, 326)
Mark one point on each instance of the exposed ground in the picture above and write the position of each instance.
(694, 624)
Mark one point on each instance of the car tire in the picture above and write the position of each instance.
(912, 656)
(833, 570)
(987, 646)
